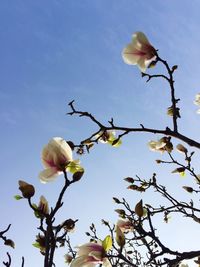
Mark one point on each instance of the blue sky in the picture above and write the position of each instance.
(53, 51)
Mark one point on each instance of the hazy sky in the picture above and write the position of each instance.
(54, 51)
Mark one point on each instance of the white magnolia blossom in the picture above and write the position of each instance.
(139, 52)
(89, 255)
(55, 157)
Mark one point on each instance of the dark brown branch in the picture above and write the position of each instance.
(127, 130)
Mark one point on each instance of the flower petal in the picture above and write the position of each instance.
(141, 64)
(130, 55)
(141, 38)
(82, 261)
(48, 175)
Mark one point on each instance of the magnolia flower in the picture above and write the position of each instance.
(197, 101)
(108, 137)
(125, 226)
(55, 157)
(139, 52)
(89, 255)
(161, 145)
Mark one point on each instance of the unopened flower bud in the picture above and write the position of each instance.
(105, 222)
(116, 200)
(69, 225)
(27, 190)
(179, 170)
(129, 180)
(181, 148)
(139, 208)
(43, 206)
(158, 161)
(188, 189)
(9, 242)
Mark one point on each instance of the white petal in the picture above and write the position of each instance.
(129, 55)
(88, 248)
(48, 175)
(97, 255)
(81, 262)
(64, 148)
(141, 64)
(141, 38)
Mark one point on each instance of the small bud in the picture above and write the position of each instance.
(139, 208)
(80, 151)
(133, 187)
(9, 242)
(188, 189)
(77, 175)
(169, 147)
(158, 161)
(69, 225)
(170, 111)
(116, 200)
(152, 64)
(27, 190)
(179, 170)
(129, 180)
(175, 67)
(105, 222)
(40, 243)
(181, 149)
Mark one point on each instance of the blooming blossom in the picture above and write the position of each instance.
(161, 145)
(89, 255)
(55, 157)
(139, 52)
(109, 137)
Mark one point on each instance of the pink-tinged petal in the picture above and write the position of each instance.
(130, 55)
(97, 255)
(88, 248)
(48, 175)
